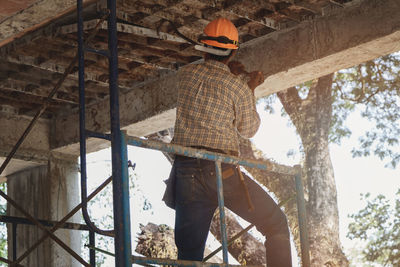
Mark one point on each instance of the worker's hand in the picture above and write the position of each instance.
(236, 67)
(256, 78)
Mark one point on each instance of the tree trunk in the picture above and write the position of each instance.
(157, 241)
(312, 119)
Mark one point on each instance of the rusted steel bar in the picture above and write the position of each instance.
(38, 224)
(63, 220)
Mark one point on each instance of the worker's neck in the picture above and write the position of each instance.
(224, 61)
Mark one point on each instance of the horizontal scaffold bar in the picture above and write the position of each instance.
(21, 220)
(145, 261)
(208, 155)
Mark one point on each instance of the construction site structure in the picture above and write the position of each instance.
(271, 31)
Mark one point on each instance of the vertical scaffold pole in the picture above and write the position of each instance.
(301, 207)
(92, 252)
(221, 205)
(122, 240)
(14, 241)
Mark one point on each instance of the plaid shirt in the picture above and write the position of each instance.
(213, 107)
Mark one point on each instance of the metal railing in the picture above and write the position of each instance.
(218, 158)
(15, 221)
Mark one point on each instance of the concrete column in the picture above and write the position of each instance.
(46, 192)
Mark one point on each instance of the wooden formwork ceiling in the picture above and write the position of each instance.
(150, 45)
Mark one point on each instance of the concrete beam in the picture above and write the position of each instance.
(143, 110)
(36, 146)
(35, 150)
(315, 48)
(37, 15)
(17, 165)
(310, 50)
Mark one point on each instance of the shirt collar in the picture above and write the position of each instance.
(216, 64)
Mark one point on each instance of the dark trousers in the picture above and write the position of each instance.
(196, 201)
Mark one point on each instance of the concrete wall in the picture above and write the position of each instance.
(46, 192)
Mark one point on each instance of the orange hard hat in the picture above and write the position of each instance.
(221, 33)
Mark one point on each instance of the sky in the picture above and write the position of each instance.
(354, 176)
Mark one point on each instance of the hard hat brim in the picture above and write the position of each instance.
(214, 51)
(217, 44)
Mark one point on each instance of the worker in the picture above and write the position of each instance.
(214, 106)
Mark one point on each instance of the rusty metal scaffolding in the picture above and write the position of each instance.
(119, 142)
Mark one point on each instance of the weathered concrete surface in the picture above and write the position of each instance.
(151, 106)
(324, 45)
(34, 150)
(31, 15)
(16, 165)
(29, 187)
(10, 7)
(64, 196)
(54, 191)
(310, 50)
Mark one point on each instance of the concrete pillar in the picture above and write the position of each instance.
(46, 192)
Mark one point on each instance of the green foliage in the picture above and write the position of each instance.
(268, 102)
(374, 88)
(101, 212)
(103, 220)
(340, 110)
(378, 225)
